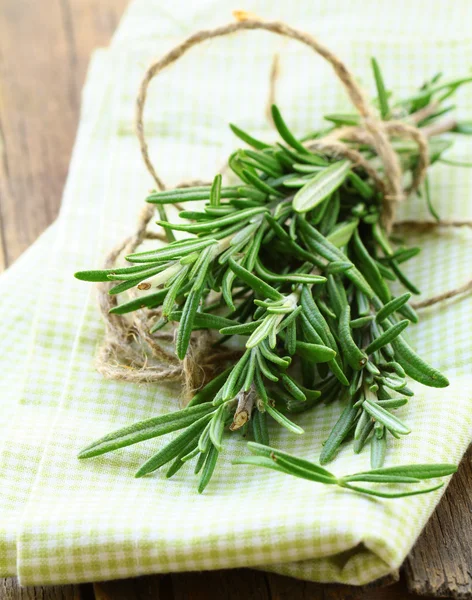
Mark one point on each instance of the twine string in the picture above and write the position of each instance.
(391, 188)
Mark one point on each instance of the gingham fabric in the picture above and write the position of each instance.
(62, 520)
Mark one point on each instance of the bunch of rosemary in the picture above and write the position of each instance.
(293, 257)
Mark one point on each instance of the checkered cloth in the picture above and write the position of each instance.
(62, 520)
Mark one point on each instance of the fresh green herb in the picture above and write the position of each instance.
(271, 458)
(294, 260)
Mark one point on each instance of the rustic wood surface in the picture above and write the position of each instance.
(45, 47)
(440, 564)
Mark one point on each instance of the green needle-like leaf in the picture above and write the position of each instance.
(282, 419)
(189, 195)
(259, 425)
(285, 132)
(186, 322)
(217, 427)
(171, 252)
(318, 243)
(378, 449)
(338, 433)
(387, 336)
(393, 402)
(208, 468)
(343, 119)
(380, 494)
(260, 185)
(370, 269)
(291, 386)
(144, 430)
(208, 393)
(215, 192)
(262, 332)
(249, 139)
(429, 202)
(415, 367)
(230, 388)
(315, 352)
(381, 91)
(174, 448)
(321, 186)
(421, 471)
(342, 233)
(190, 449)
(361, 322)
(205, 320)
(149, 301)
(356, 357)
(391, 307)
(383, 416)
(258, 285)
(274, 453)
(292, 277)
(241, 215)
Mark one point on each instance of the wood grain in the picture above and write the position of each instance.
(157, 587)
(287, 588)
(37, 113)
(45, 47)
(231, 585)
(10, 590)
(238, 584)
(440, 564)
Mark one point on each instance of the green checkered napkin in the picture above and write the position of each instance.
(62, 520)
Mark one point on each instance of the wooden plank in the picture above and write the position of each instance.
(43, 60)
(89, 25)
(257, 585)
(11, 590)
(440, 563)
(36, 115)
(237, 584)
(155, 587)
(348, 592)
(287, 588)
(233, 584)
(3, 177)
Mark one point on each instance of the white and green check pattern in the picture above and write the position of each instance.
(62, 520)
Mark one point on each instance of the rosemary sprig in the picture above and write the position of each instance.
(294, 259)
(271, 458)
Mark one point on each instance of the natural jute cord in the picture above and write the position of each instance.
(128, 347)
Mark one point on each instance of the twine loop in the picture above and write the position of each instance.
(372, 130)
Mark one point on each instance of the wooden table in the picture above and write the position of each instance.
(45, 47)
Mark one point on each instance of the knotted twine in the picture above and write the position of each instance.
(129, 352)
